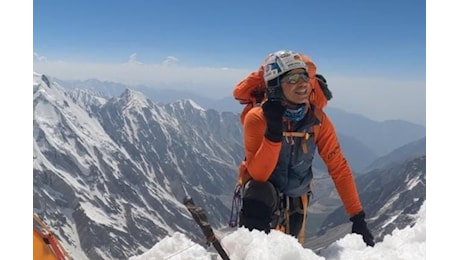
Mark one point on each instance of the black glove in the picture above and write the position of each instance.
(274, 91)
(360, 227)
(273, 112)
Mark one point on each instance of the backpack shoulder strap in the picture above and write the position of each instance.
(319, 113)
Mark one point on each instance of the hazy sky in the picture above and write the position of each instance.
(371, 52)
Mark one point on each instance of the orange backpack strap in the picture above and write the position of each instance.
(301, 236)
(304, 135)
(284, 227)
(319, 113)
(243, 174)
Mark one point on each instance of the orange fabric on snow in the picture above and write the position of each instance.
(46, 245)
(42, 251)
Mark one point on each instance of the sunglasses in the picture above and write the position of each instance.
(294, 78)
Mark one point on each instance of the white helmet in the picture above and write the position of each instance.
(280, 62)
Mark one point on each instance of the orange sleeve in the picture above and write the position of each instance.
(261, 153)
(338, 167)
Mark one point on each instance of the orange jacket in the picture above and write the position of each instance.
(262, 155)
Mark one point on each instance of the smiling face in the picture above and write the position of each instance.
(296, 87)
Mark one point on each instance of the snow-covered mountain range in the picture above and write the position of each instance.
(110, 172)
(363, 140)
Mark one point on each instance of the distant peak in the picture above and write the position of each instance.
(130, 98)
(190, 103)
(130, 93)
(38, 78)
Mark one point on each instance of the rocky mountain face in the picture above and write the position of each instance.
(391, 196)
(411, 150)
(110, 174)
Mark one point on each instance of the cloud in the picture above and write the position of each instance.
(209, 81)
(38, 58)
(171, 61)
(133, 59)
